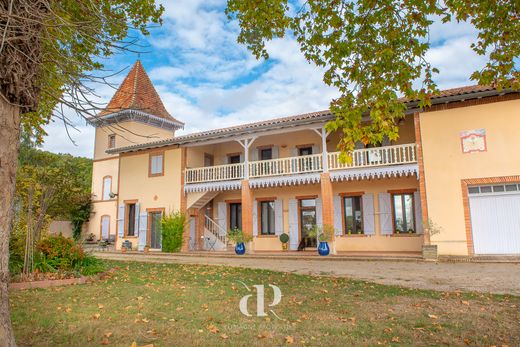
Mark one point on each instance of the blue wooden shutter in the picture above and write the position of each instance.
(385, 214)
(293, 224)
(338, 219)
(419, 228)
(136, 221)
(222, 215)
(369, 227)
(255, 218)
(121, 221)
(143, 231)
(319, 216)
(278, 216)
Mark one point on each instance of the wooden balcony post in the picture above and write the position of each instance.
(325, 162)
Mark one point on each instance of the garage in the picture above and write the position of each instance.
(495, 219)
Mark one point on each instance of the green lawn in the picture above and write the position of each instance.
(185, 305)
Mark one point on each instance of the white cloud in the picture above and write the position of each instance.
(208, 81)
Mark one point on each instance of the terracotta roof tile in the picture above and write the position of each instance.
(137, 93)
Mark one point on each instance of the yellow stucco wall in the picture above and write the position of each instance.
(127, 134)
(376, 243)
(151, 192)
(445, 165)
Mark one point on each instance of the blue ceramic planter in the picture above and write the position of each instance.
(323, 248)
(240, 248)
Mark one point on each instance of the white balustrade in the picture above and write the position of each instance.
(286, 166)
(377, 156)
(369, 157)
(214, 173)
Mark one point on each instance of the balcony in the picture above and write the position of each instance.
(309, 164)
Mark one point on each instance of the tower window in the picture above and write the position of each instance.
(111, 141)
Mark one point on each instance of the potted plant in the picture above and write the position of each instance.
(239, 238)
(284, 239)
(430, 251)
(324, 236)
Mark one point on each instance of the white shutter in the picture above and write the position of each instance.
(276, 152)
(294, 152)
(254, 154)
(293, 224)
(319, 216)
(157, 164)
(143, 231)
(385, 214)
(136, 225)
(338, 219)
(105, 227)
(278, 216)
(121, 221)
(315, 149)
(368, 214)
(242, 157)
(255, 218)
(222, 216)
(419, 229)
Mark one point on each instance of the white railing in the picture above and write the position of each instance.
(369, 157)
(214, 173)
(215, 229)
(286, 166)
(379, 156)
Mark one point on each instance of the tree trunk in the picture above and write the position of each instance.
(9, 146)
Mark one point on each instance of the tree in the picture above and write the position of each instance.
(373, 51)
(48, 52)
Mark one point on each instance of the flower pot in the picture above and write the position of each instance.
(285, 246)
(240, 248)
(323, 248)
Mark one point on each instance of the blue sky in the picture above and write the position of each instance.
(207, 80)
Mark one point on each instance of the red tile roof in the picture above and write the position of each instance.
(137, 93)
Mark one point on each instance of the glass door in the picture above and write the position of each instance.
(307, 222)
(155, 230)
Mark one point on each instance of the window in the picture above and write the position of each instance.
(304, 151)
(208, 160)
(111, 141)
(234, 159)
(156, 164)
(267, 217)
(130, 214)
(403, 206)
(266, 154)
(352, 215)
(235, 216)
(107, 187)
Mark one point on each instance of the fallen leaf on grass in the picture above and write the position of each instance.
(464, 302)
(100, 306)
(432, 316)
(289, 339)
(213, 329)
(108, 334)
(395, 339)
(96, 316)
(264, 335)
(224, 336)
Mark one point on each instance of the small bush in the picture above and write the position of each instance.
(172, 230)
(58, 253)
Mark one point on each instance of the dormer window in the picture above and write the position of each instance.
(112, 141)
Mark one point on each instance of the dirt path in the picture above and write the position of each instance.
(498, 278)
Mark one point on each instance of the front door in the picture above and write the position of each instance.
(155, 230)
(235, 216)
(307, 222)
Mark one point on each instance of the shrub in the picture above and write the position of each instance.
(172, 230)
(238, 236)
(284, 238)
(58, 253)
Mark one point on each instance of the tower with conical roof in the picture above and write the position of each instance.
(134, 115)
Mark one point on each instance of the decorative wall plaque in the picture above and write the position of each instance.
(473, 141)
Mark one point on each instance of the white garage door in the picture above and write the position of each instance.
(495, 218)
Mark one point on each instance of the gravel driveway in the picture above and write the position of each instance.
(498, 278)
